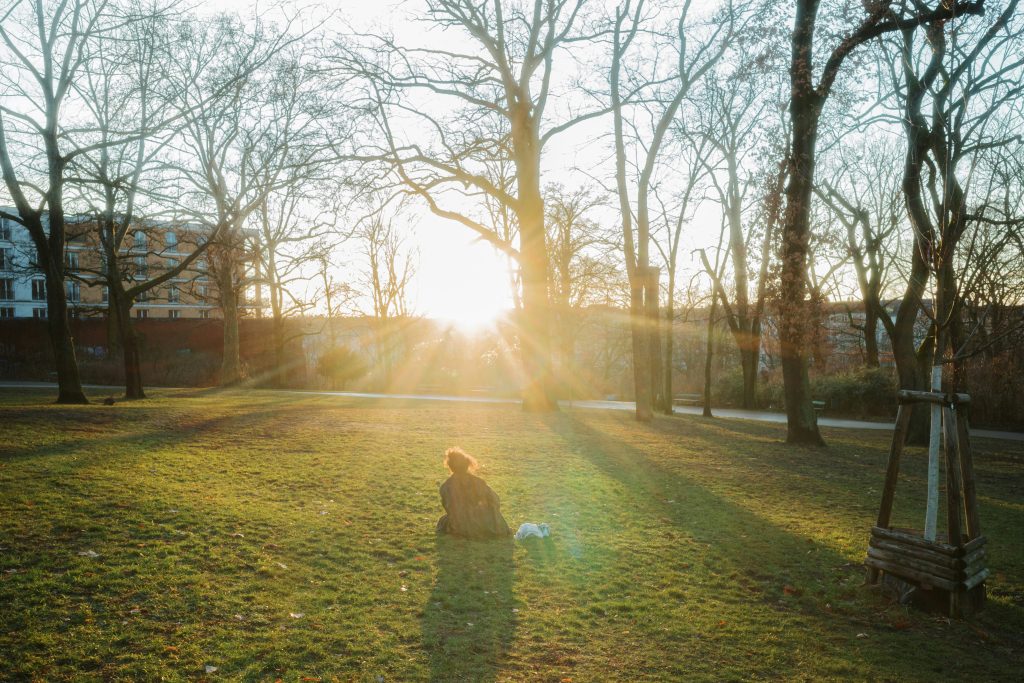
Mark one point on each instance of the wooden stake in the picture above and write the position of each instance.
(892, 473)
(931, 515)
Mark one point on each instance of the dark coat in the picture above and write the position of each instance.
(474, 510)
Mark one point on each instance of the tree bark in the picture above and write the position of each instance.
(535, 339)
(670, 314)
(231, 366)
(805, 109)
(709, 356)
(69, 383)
(641, 354)
(128, 339)
(652, 317)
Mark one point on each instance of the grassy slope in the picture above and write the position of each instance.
(216, 517)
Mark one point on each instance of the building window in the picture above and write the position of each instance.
(7, 289)
(171, 238)
(204, 314)
(73, 290)
(105, 295)
(139, 240)
(6, 263)
(203, 292)
(6, 228)
(201, 265)
(141, 313)
(39, 313)
(173, 296)
(141, 268)
(6, 312)
(172, 263)
(38, 289)
(71, 260)
(174, 314)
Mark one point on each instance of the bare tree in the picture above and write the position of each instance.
(126, 90)
(494, 90)
(863, 193)
(581, 265)
(239, 148)
(387, 272)
(658, 94)
(737, 122)
(286, 239)
(46, 47)
(810, 90)
(389, 266)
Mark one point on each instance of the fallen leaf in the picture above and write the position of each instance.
(88, 553)
(791, 590)
(282, 565)
(238, 535)
(404, 588)
(239, 617)
(170, 648)
(862, 635)
(296, 615)
(210, 669)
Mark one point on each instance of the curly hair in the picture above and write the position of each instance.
(459, 461)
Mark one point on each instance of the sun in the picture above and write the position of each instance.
(463, 283)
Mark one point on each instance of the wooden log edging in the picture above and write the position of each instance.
(928, 563)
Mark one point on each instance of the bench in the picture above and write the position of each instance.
(687, 400)
(819, 406)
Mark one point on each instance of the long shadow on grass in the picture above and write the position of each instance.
(468, 622)
(168, 434)
(739, 539)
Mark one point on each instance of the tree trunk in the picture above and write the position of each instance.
(535, 330)
(794, 310)
(129, 342)
(641, 378)
(280, 371)
(69, 383)
(652, 317)
(871, 337)
(231, 366)
(113, 329)
(670, 314)
(709, 356)
(750, 356)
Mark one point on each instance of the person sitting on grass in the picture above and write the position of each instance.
(472, 508)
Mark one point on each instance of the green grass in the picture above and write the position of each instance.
(683, 550)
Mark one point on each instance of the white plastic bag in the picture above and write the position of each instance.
(530, 530)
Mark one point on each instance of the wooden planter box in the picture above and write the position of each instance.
(955, 564)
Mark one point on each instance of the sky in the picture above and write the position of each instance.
(458, 277)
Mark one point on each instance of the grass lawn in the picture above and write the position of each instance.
(284, 536)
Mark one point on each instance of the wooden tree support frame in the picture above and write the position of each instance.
(956, 566)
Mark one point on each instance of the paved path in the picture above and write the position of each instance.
(733, 413)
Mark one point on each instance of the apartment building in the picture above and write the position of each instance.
(151, 249)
